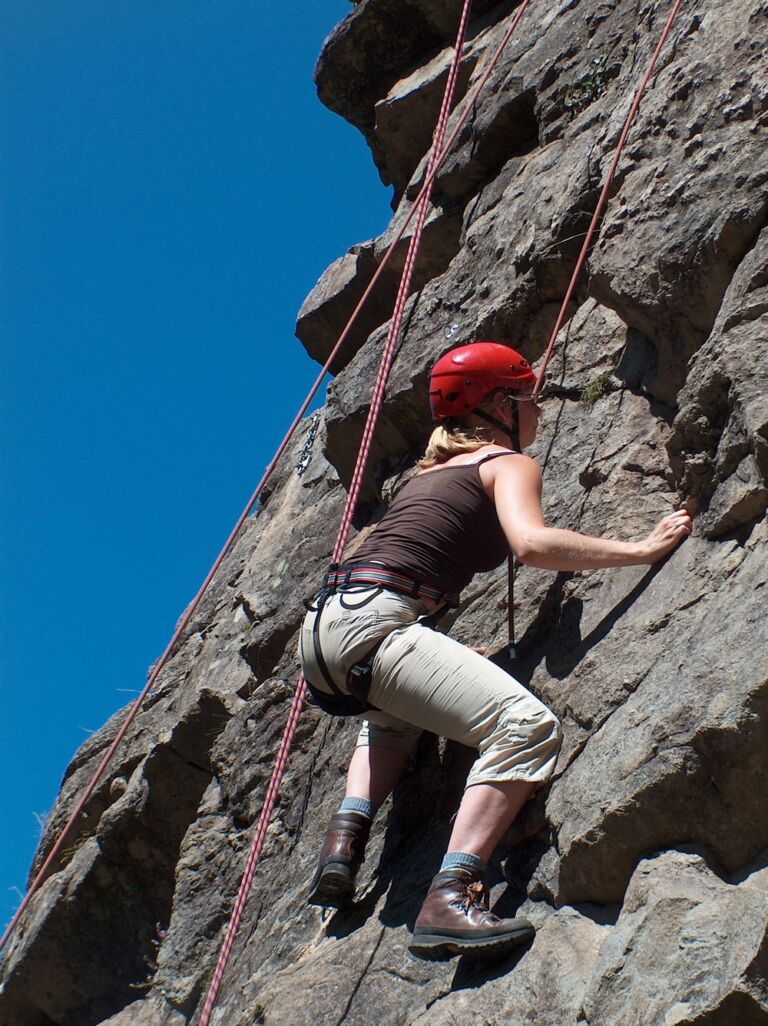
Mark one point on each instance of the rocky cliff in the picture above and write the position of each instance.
(645, 865)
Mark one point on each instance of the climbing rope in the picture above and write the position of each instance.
(377, 399)
(601, 202)
(183, 623)
(603, 198)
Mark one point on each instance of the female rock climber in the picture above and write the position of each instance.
(475, 497)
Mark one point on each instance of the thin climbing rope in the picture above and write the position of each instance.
(603, 198)
(192, 607)
(601, 202)
(393, 335)
(377, 399)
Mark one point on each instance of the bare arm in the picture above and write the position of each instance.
(517, 495)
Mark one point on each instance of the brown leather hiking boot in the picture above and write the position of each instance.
(455, 920)
(343, 851)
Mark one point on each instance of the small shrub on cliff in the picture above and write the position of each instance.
(588, 88)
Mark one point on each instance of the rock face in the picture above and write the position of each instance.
(643, 865)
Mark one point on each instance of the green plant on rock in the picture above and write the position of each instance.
(595, 389)
(589, 86)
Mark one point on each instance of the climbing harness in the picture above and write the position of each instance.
(353, 702)
(358, 583)
(350, 579)
(377, 575)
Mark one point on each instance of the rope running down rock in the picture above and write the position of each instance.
(599, 208)
(387, 359)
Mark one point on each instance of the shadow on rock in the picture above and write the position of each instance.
(414, 846)
(571, 648)
(555, 632)
(472, 972)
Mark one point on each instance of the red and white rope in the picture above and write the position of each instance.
(603, 198)
(387, 359)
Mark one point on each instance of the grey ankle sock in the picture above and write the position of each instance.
(462, 860)
(361, 805)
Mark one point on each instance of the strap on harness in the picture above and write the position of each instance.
(378, 575)
(358, 679)
(358, 682)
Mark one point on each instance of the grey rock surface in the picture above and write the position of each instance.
(680, 918)
(643, 864)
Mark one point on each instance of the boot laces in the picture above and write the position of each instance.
(474, 895)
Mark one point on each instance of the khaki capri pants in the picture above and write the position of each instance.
(424, 680)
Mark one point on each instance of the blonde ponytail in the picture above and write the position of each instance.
(445, 442)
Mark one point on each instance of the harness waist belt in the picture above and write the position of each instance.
(381, 576)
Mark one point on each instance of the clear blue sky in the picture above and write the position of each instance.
(170, 190)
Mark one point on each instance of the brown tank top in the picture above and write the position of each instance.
(441, 529)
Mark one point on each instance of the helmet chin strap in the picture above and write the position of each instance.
(513, 433)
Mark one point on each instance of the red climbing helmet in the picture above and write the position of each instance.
(463, 377)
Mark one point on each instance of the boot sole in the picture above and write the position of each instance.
(334, 886)
(441, 947)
